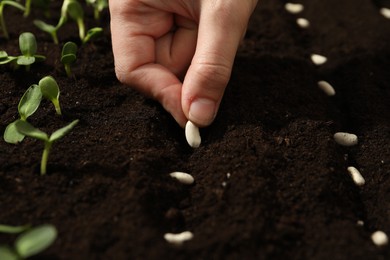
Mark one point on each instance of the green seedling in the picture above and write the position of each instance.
(28, 48)
(51, 91)
(27, 129)
(98, 7)
(68, 56)
(48, 28)
(29, 243)
(76, 12)
(51, 29)
(92, 34)
(28, 104)
(4, 58)
(2, 21)
(69, 9)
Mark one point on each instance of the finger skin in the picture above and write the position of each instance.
(221, 27)
(155, 42)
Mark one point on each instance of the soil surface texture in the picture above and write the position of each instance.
(270, 181)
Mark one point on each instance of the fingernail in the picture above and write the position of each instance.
(202, 111)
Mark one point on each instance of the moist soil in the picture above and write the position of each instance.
(270, 181)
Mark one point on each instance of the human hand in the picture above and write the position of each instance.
(157, 43)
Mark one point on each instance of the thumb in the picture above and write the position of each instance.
(221, 27)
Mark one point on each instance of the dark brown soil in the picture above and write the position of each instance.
(289, 195)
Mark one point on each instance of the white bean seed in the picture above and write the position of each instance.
(192, 135)
(379, 238)
(318, 59)
(360, 223)
(356, 176)
(178, 239)
(303, 23)
(385, 12)
(326, 87)
(345, 139)
(293, 8)
(182, 177)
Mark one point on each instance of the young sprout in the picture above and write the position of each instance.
(28, 48)
(4, 58)
(28, 130)
(28, 104)
(27, 7)
(2, 21)
(29, 243)
(98, 7)
(50, 29)
(76, 12)
(68, 56)
(71, 8)
(92, 34)
(50, 90)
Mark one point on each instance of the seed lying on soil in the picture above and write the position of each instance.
(182, 177)
(293, 8)
(303, 23)
(345, 139)
(356, 176)
(379, 238)
(360, 223)
(326, 87)
(192, 135)
(385, 12)
(178, 239)
(318, 59)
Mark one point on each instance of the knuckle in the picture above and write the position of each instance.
(213, 71)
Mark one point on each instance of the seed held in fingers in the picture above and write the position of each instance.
(182, 177)
(345, 139)
(318, 59)
(192, 135)
(178, 239)
(293, 8)
(356, 176)
(326, 87)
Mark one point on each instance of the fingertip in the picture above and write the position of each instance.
(202, 111)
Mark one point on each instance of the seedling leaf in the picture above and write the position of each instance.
(51, 91)
(36, 240)
(27, 44)
(50, 29)
(13, 229)
(11, 134)
(29, 102)
(76, 12)
(92, 34)
(3, 55)
(6, 253)
(7, 60)
(40, 57)
(62, 131)
(27, 129)
(49, 88)
(68, 54)
(25, 60)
